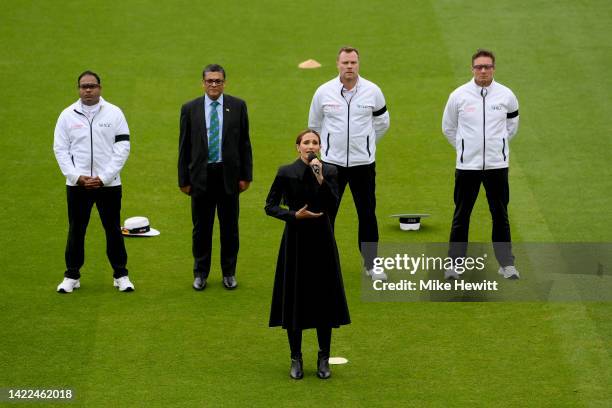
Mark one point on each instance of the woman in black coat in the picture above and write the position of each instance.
(308, 289)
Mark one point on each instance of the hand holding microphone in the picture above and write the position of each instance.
(315, 165)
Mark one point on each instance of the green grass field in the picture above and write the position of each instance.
(166, 345)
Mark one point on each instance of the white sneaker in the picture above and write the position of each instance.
(124, 284)
(509, 272)
(451, 274)
(68, 285)
(376, 276)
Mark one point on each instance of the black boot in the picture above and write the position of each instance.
(323, 371)
(297, 370)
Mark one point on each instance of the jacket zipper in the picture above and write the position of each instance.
(504, 149)
(348, 126)
(90, 139)
(348, 123)
(368, 146)
(462, 149)
(327, 150)
(483, 93)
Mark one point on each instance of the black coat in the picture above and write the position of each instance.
(308, 290)
(235, 145)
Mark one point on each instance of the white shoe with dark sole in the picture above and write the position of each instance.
(123, 284)
(68, 285)
(376, 276)
(509, 272)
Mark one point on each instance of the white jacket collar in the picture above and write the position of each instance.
(341, 85)
(77, 105)
(478, 87)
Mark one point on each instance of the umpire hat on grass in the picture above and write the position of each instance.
(138, 227)
(410, 222)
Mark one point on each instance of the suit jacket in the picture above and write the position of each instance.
(235, 149)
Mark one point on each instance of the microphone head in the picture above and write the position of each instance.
(311, 156)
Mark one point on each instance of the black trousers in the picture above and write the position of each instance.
(108, 203)
(295, 340)
(362, 181)
(203, 216)
(467, 186)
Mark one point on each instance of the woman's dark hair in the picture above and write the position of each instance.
(305, 132)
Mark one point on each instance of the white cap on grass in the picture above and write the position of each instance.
(138, 227)
(410, 222)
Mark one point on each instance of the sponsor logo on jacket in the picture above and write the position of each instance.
(332, 107)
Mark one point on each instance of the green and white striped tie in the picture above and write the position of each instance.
(213, 134)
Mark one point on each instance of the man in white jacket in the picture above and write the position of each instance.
(480, 119)
(350, 114)
(91, 145)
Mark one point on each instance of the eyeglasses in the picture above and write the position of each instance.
(215, 82)
(89, 86)
(484, 66)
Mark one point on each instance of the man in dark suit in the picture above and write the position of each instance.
(215, 165)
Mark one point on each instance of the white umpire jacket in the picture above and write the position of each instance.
(479, 123)
(349, 129)
(96, 147)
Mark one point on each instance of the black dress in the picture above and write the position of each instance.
(308, 289)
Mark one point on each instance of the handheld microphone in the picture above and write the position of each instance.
(316, 168)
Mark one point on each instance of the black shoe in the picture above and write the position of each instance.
(297, 370)
(199, 283)
(323, 371)
(230, 282)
